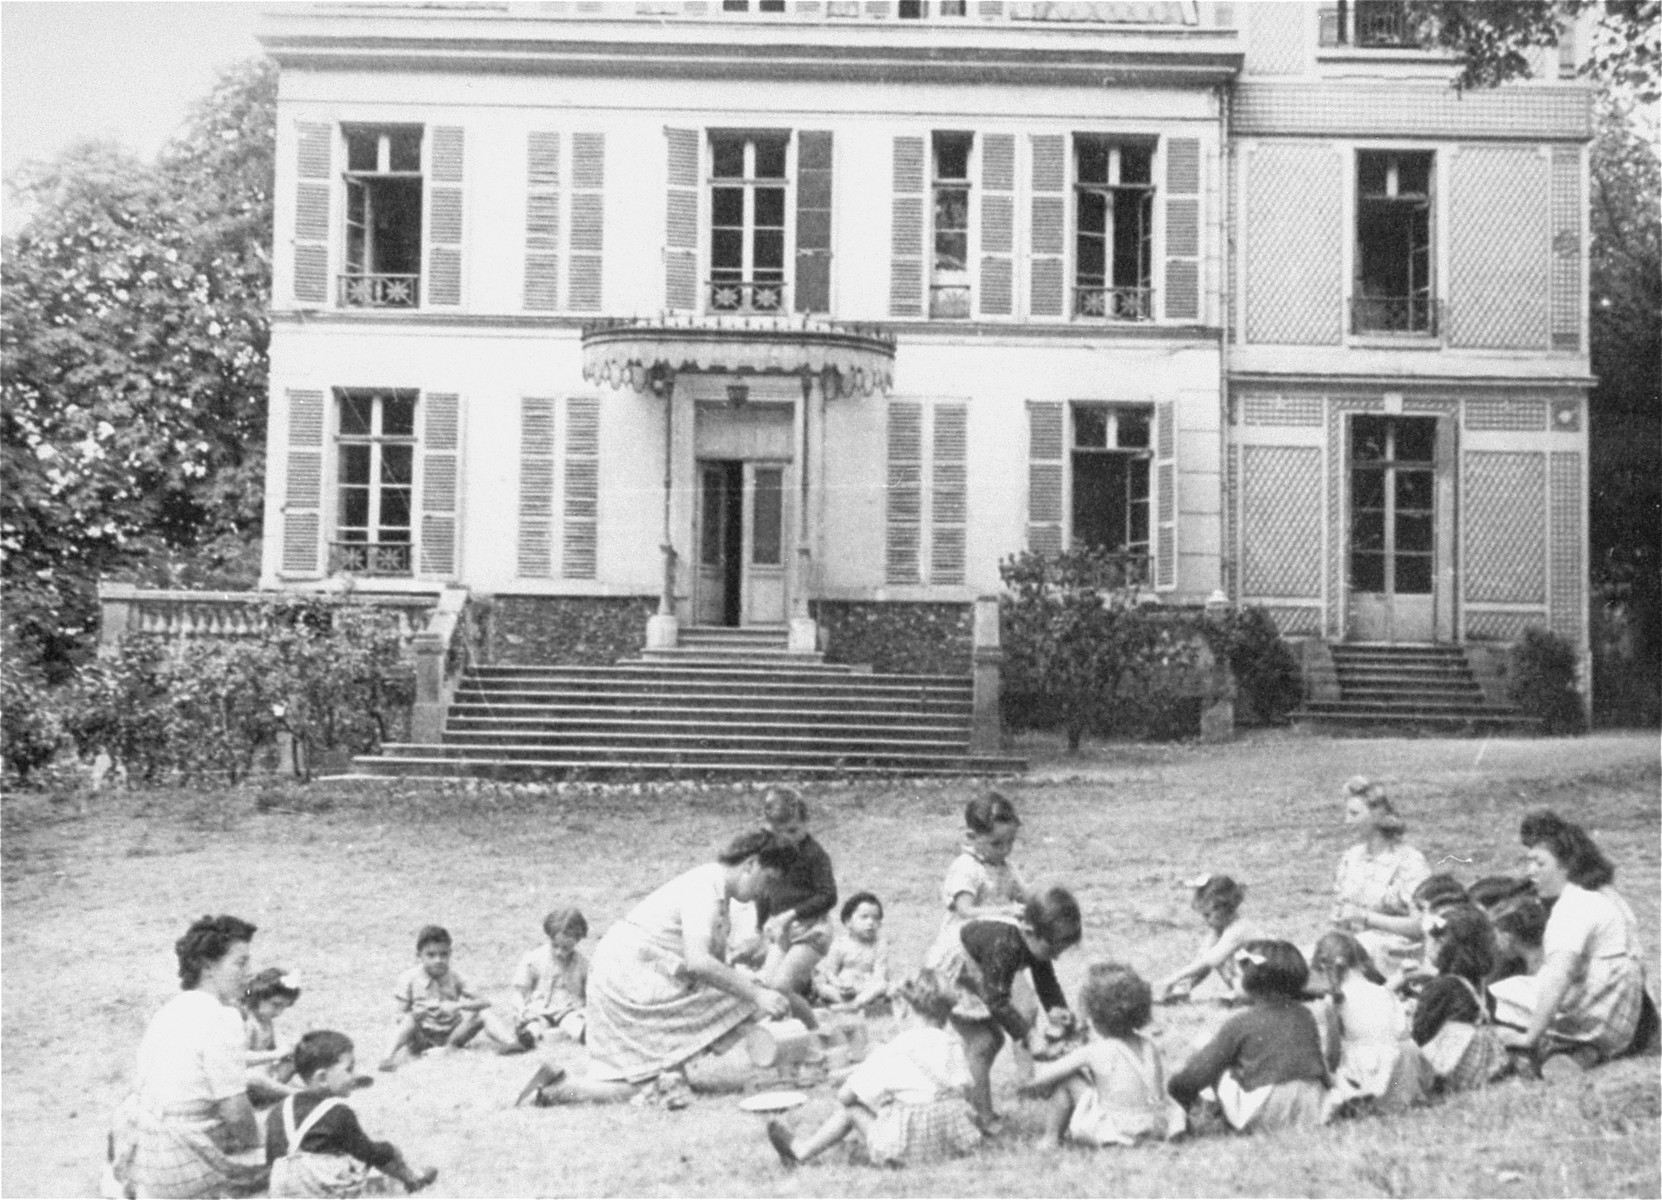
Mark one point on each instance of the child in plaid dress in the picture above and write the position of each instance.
(907, 1099)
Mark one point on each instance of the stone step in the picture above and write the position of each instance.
(388, 767)
(518, 744)
(716, 721)
(778, 758)
(716, 671)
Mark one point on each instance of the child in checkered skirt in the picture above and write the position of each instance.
(907, 1100)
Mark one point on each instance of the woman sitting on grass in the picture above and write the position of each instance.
(660, 991)
(1375, 883)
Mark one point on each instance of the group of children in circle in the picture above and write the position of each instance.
(1310, 1040)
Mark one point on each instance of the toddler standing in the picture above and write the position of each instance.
(1218, 901)
(906, 1100)
(1266, 1063)
(854, 974)
(1112, 1090)
(552, 981)
(268, 995)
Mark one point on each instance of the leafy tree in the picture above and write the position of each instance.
(134, 333)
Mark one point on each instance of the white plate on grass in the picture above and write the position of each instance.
(770, 1102)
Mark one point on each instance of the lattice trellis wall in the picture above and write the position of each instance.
(1566, 248)
(1281, 410)
(1276, 38)
(1499, 626)
(1281, 521)
(1296, 621)
(1294, 228)
(1399, 108)
(1232, 522)
(1504, 527)
(1567, 577)
(1510, 415)
(1499, 248)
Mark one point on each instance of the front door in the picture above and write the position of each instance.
(1394, 546)
(741, 543)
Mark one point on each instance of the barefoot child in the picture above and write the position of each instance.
(1112, 1090)
(314, 1143)
(854, 974)
(552, 981)
(906, 1100)
(1218, 901)
(982, 882)
(435, 1007)
(1266, 1063)
(268, 995)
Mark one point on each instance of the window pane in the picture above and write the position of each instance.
(767, 516)
(1367, 572)
(952, 156)
(770, 160)
(395, 226)
(1413, 573)
(711, 531)
(726, 249)
(727, 157)
(354, 463)
(770, 207)
(769, 250)
(1093, 212)
(1416, 439)
(1090, 427)
(1370, 173)
(405, 150)
(395, 510)
(1414, 490)
(1367, 439)
(1367, 489)
(1414, 534)
(951, 208)
(1367, 530)
(1091, 159)
(398, 415)
(1136, 164)
(1099, 501)
(1413, 174)
(354, 414)
(1091, 259)
(396, 461)
(354, 507)
(727, 206)
(951, 251)
(1133, 430)
(361, 149)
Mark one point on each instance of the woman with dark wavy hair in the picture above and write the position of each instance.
(188, 1128)
(1589, 995)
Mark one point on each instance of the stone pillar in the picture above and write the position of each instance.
(427, 713)
(1217, 713)
(804, 634)
(987, 657)
(663, 629)
(117, 610)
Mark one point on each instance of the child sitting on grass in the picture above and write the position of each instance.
(854, 974)
(1375, 1065)
(552, 981)
(906, 1100)
(1265, 1063)
(1112, 1090)
(1454, 1021)
(436, 1008)
(1218, 901)
(268, 995)
(314, 1143)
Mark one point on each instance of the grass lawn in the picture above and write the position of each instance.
(339, 877)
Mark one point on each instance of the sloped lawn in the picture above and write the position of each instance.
(340, 876)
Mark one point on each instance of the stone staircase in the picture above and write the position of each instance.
(1429, 687)
(725, 703)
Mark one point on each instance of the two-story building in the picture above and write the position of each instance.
(805, 315)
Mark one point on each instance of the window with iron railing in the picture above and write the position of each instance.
(748, 186)
(1109, 481)
(1114, 230)
(383, 217)
(949, 270)
(1393, 290)
(374, 482)
(1372, 25)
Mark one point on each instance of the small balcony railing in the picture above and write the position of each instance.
(1385, 24)
(1114, 303)
(746, 296)
(1417, 315)
(380, 291)
(950, 301)
(384, 559)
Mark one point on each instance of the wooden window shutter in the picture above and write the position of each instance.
(303, 485)
(314, 146)
(441, 446)
(813, 222)
(949, 492)
(1045, 450)
(904, 525)
(444, 217)
(582, 488)
(906, 231)
(542, 222)
(1048, 282)
(998, 224)
(1183, 229)
(1165, 496)
(588, 219)
(681, 221)
(536, 488)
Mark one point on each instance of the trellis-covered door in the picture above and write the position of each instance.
(1399, 532)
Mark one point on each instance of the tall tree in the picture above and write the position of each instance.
(134, 341)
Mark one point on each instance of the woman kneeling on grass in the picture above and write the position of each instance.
(660, 991)
(188, 1128)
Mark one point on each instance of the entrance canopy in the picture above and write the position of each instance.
(646, 352)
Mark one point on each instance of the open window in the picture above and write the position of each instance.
(383, 217)
(1110, 453)
(949, 274)
(1113, 229)
(1394, 292)
(747, 221)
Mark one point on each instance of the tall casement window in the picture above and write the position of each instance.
(747, 222)
(383, 217)
(1109, 506)
(374, 481)
(1394, 292)
(1114, 229)
(949, 272)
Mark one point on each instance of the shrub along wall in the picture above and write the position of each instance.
(898, 637)
(581, 630)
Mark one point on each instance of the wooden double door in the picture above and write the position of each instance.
(742, 534)
(1400, 536)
